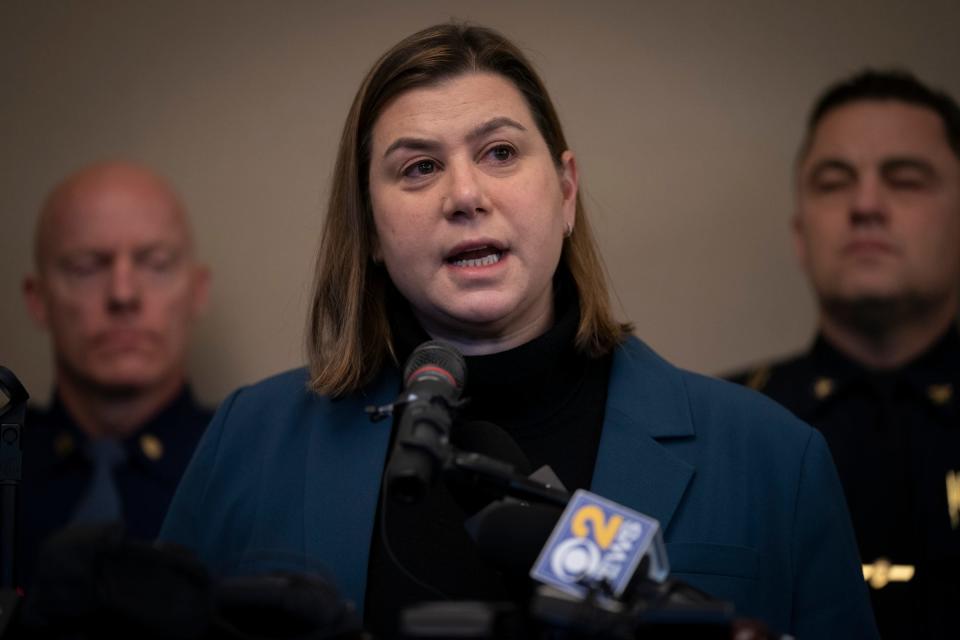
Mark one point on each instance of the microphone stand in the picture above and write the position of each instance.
(11, 423)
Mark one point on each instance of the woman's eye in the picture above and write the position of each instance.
(502, 153)
(420, 168)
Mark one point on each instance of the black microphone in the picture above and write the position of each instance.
(433, 379)
(510, 535)
(489, 439)
(513, 536)
(472, 492)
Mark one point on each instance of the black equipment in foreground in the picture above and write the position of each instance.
(13, 410)
(92, 582)
(510, 535)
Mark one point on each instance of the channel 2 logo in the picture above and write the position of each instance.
(599, 541)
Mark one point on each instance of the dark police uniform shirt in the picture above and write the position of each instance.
(895, 437)
(56, 473)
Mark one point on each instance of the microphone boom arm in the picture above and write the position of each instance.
(504, 477)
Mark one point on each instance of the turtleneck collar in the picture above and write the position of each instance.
(521, 388)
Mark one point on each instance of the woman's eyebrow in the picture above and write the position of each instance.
(425, 144)
(494, 124)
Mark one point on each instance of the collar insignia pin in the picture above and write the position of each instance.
(940, 394)
(822, 388)
(151, 446)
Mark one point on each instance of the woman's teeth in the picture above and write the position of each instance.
(492, 258)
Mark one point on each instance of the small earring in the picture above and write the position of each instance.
(567, 230)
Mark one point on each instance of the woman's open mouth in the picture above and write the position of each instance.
(480, 257)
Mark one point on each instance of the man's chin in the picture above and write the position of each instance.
(126, 381)
(876, 312)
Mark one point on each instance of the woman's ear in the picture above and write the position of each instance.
(569, 186)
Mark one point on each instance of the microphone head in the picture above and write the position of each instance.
(436, 360)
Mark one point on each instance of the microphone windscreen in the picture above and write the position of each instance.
(511, 534)
(486, 438)
(489, 440)
(436, 356)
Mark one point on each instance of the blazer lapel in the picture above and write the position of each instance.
(344, 467)
(646, 403)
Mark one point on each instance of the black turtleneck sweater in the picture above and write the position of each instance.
(550, 399)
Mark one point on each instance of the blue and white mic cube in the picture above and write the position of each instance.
(598, 541)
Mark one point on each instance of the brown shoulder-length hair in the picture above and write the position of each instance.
(348, 335)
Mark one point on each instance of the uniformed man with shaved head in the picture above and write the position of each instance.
(117, 286)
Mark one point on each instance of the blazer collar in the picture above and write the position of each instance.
(647, 404)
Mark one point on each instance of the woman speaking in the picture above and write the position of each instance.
(455, 215)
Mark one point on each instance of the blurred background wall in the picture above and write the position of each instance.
(685, 117)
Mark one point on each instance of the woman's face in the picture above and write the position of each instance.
(470, 210)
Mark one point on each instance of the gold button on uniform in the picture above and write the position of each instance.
(151, 446)
(940, 394)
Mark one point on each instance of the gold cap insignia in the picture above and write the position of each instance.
(940, 394)
(151, 446)
(822, 388)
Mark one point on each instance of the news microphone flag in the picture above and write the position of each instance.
(597, 541)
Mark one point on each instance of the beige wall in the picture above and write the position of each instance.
(684, 116)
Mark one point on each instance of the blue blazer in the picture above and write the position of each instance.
(747, 495)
